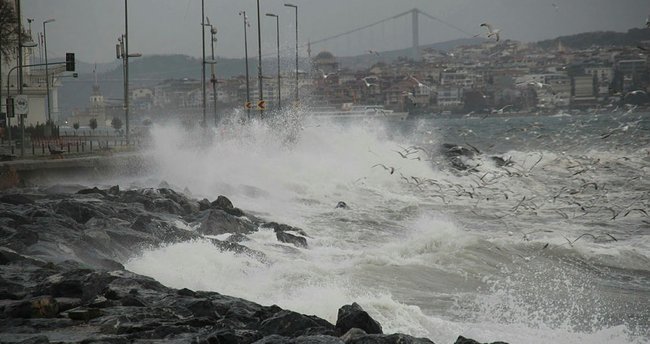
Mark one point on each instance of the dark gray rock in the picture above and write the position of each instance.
(217, 221)
(94, 190)
(353, 316)
(15, 199)
(84, 314)
(397, 338)
(463, 340)
(291, 324)
(353, 333)
(291, 239)
(318, 339)
(282, 235)
(223, 203)
(452, 150)
(274, 339)
(501, 162)
(80, 211)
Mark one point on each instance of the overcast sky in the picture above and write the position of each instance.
(90, 27)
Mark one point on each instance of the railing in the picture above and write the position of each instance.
(68, 146)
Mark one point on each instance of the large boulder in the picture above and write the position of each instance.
(463, 340)
(217, 221)
(397, 338)
(353, 316)
(291, 324)
(282, 234)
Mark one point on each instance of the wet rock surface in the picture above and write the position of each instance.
(61, 277)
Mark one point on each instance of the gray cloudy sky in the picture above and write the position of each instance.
(91, 27)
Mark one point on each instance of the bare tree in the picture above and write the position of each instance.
(8, 29)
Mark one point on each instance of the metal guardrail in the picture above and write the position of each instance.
(65, 146)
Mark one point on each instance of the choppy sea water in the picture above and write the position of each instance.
(552, 247)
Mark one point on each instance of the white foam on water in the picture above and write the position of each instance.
(295, 173)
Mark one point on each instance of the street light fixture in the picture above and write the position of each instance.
(248, 87)
(277, 32)
(297, 86)
(47, 72)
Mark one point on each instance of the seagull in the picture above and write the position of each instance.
(636, 93)
(556, 7)
(373, 52)
(368, 84)
(491, 32)
(390, 169)
(647, 22)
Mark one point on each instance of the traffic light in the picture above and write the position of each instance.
(69, 62)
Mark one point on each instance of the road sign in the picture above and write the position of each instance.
(21, 104)
(261, 105)
(248, 105)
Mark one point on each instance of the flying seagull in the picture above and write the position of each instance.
(556, 7)
(491, 32)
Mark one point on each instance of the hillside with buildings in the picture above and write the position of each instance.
(574, 72)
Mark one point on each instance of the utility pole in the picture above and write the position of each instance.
(297, 80)
(203, 64)
(47, 73)
(20, 74)
(122, 50)
(1, 107)
(259, 52)
(126, 69)
(277, 33)
(248, 86)
(213, 32)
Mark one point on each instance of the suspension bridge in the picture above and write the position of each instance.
(414, 15)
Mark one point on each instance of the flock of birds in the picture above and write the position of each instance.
(560, 188)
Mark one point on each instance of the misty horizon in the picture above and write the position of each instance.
(90, 28)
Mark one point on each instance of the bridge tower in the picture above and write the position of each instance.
(415, 54)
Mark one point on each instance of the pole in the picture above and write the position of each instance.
(297, 86)
(259, 52)
(248, 86)
(277, 32)
(126, 68)
(2, 109)
(20, 74)
(203, 56)
(20, 48)
(47, 75)
(297, 80)
(214, 76)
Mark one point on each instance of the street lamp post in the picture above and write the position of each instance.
(122, 49)
(213, 62)
(259, 53)
(203, 63)
(248, 87)
(124, 55)
(277, 32)
(297, 86)
(47, 72)
(2, 108)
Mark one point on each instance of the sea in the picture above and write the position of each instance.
(540, 235)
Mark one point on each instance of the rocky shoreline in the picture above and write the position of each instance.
(61, 280)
